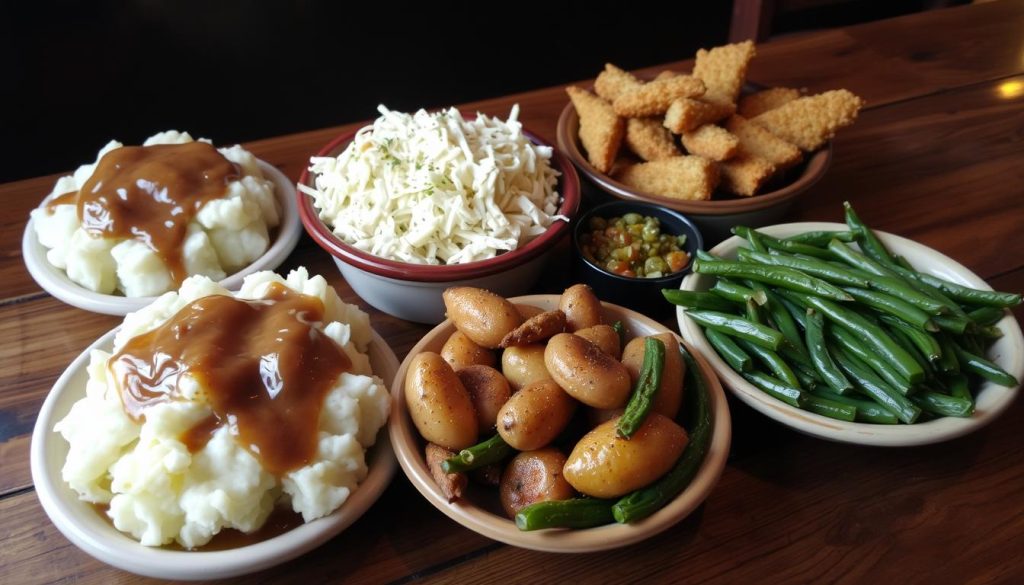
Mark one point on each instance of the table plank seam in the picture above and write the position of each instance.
(448, 564)
(941, 91)
(23, 299)
(18, 491)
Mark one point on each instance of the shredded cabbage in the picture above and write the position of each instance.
(437, 189)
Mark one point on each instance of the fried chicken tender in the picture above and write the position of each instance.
(745, 174)
(535, 329)
(691, 178)
(761, 143)
(687, 114)
(613, 82)
(758, 103)
(452, 485)
(723, 69)
(649, 140)
(809, 122)
(654, 98)
(712, 142)
(601, 130)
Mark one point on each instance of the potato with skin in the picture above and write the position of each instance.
(670, 392)
(524, 364)
(439, 404)
(603, 336)
(581, 307)
(483, 316)
(586, 373)
(604, 465)
(460, 351)
(534, 416)
(534, 476)
(488, 390)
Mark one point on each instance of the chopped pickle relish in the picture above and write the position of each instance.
(634, 246)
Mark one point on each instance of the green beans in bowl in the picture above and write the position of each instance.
(859, 336)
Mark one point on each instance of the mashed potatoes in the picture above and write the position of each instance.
(159, 491)
(226, 234)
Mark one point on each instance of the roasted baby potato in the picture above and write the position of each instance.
(534, 476)
(523, 365)
(670, 391)
(585, 372)
(439, 404)
(603, 336)
(488, 390)
(534, 416)
(581, 307)
(460, 351)
(483, 316)
(605, 465)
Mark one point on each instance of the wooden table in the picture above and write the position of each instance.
(937, 156)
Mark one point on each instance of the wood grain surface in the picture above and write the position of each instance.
(937, 156)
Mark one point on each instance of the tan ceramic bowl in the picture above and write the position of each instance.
(480, 511)
(714, 217)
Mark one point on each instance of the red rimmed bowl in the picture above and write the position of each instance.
(715, 217)
(413, 291)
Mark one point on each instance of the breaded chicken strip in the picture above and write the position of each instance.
(649, 140)
(745, 174)
(613, 82)
(691, 178)
(759, 142)
(758, 103)
(687, 114)
(723, 69)
(712, 142)
(654, 98)
(809, 122)
(601, 130)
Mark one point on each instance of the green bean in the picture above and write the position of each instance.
(903, 339)
(952, 323)
(868, 333)
(895, 306)
(482, 454)
(777, 389)
(823, 364)
(737, 293)
(990, 333)
(738, 327)
(958, 386)
(572, 513)
(776, 244)
(982, 367)
(942, 404)
(858, 260)
(867, 411)
(901, 261)
(986, 315)
(924, 342)
(914, 279)
(697, 300)
(753, 313)
(729, 351)
(620, 329)
(783, 321)
(831, 408)
(704, 255)
(772, 361)
(776, 275)
(871, 385)
(851, 343)
(645, 501)
(899, 288)
(646, 390)
(869, 242)
(968, 295)
(796, 312)
(822, 238)
(808, 378)
(752, 237)
(948, 361)
(813, 266)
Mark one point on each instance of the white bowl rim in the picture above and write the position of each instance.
(110, 546)
(56, 282)
(569, 541)
(992, 400)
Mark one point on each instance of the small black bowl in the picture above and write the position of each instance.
(640, 294)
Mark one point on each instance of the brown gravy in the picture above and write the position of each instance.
(151, 193)
(262, 364)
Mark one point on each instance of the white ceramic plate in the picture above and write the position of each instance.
(409, 448)
(991, 399)
(87, 530)
(56, 282)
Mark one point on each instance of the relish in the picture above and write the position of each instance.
(634, 246)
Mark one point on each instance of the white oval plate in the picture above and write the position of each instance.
(56, 282)
(991, 399)
(87, 530)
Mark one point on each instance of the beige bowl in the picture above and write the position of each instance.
(714, 217)
(480, 511)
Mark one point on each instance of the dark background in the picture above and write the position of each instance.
(77, 74)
